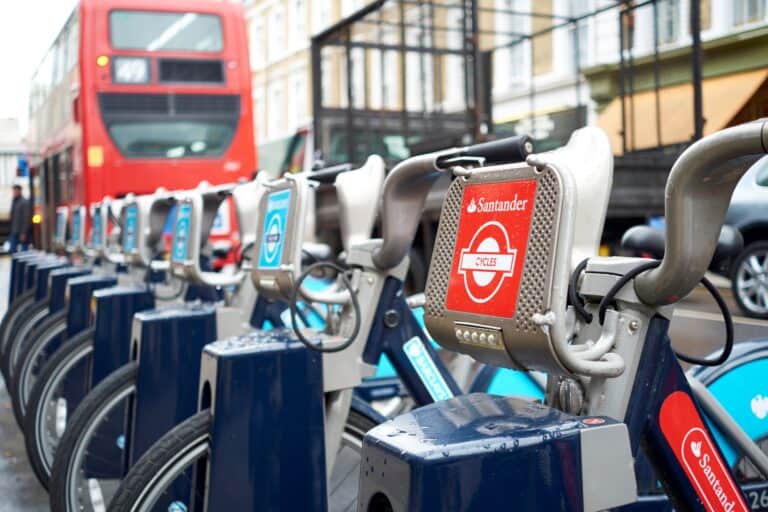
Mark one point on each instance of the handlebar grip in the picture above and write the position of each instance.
(328, 175)
(507, 150)
(697, 195)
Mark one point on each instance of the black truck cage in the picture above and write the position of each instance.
(403, 76)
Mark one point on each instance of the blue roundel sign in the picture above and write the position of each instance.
(96, 228)
(129, 238)
(180, 249)
(273, 235)
(61, 227)
(76, 226)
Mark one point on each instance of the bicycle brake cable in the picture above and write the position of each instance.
(295, 299)
(608, 299)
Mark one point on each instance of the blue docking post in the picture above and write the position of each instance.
(267, 441)
(115, 308)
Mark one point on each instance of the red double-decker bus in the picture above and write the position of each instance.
(138, 94)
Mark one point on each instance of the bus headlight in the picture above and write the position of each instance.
(130, 70)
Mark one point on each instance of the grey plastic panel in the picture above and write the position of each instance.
(509, 340)
(607, 467)
(279, 235)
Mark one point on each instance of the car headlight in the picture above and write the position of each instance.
(130, 70)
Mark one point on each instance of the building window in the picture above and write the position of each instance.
(260, 117)
(668, 13)
(357, 61)
(349, 6)
(299, 103)
(511, 61)
(300, 23)
(275, 110)
(321, 19)
(748, 11)
(276, 34)
(454, 64)
(419, 65)
(580, 8)
(257, 42)
(389, 70)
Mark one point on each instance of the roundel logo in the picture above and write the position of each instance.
(489, 251)
(272, 238)
(487, 261)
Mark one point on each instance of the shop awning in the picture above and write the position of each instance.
(723, 98)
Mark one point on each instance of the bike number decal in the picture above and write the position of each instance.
(694, 449)
(491, 241)
(181, 233)
(758, 499)
(61, 226)
(129, 240)
(221, 221)
(96, 228)
(273, 236)
(427, 371)
(76, 226)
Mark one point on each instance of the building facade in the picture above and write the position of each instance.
(555, 65)
(280, 33)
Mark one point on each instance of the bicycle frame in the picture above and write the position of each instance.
(628, 369)
(247, 381)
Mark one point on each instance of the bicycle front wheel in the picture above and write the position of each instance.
(51, 402)
(33, 353)
(88, 466)
(171, 475)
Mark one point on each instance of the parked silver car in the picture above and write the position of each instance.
(749, 214)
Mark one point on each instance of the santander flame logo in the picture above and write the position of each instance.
(759, 406)
(710, 475)
(696, 448)
(698, 456)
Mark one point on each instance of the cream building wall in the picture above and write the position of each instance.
(280, 32)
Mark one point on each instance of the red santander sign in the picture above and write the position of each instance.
(694, 449)
(491, 242)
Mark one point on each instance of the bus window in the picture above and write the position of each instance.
(172, 139)
(154, 31)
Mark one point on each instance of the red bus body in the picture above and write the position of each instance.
(140, 109)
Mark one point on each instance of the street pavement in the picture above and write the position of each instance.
(697, 329)
(19, 489)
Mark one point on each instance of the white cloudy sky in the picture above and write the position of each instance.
(27, 29)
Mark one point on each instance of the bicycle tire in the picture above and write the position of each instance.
(90, 411)
(50, 328)
(18, 305)
(55, 370)
(22, 328)
(182, 446)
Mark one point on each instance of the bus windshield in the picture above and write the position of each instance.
(168, 31)
(172, 139)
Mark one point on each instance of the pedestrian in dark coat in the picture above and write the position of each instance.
(21, 214)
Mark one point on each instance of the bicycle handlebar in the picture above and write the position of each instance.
(328, 175)
(407, 186)
(697, 195)
(510, 149)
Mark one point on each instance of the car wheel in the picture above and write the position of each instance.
(749, 280)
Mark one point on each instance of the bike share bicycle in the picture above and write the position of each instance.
(58, 376)
(63, 318)
(28, 296)
(734, 408)
(62, 309)
(154, 383)
(278, 426)
(619, 395)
